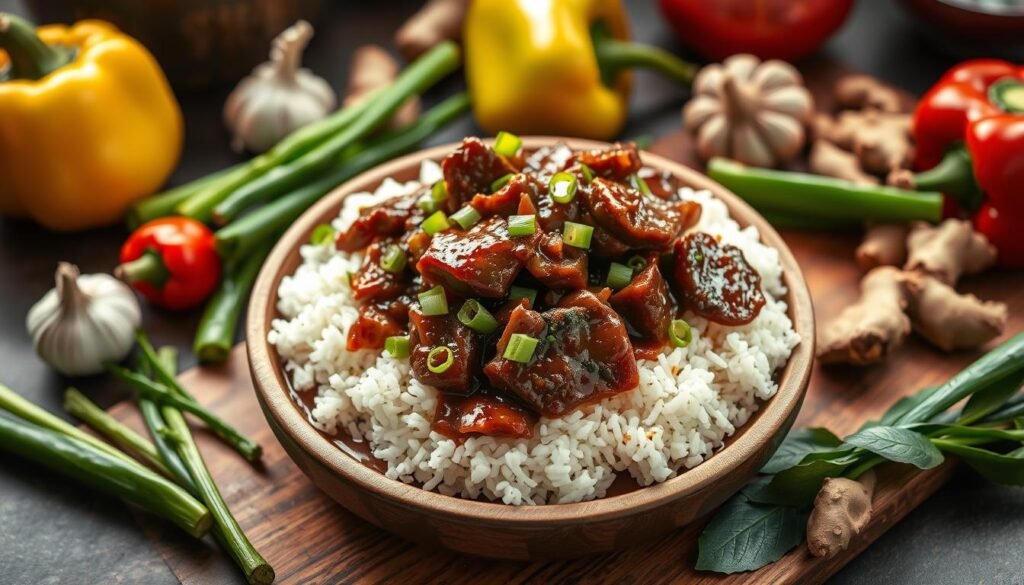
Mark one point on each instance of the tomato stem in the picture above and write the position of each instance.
(148, 268)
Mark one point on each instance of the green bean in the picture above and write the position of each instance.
(122, 477)
(416, 78)
(240, 237)
(823, 197)
(216, 332)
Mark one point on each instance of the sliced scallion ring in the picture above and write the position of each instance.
(577, 235)
(433, 302)
(619, 276)
(520, 348)
(639, 184)
(397, 346)
(436, 223)
(637, 262)
(322, 235)
(522, 225)
(466, 217)
(562, 187)
(393, 259)
(501, 182)
(477, 317)
(679, 333)
(439, 192)
(507, 144)
(521, 292)
(588, 173)
(427, 203)
(440, 359)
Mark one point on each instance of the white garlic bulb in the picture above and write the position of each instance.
(85, 322)
(278, 96)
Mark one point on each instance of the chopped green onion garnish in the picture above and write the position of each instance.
(466, 217)
(427, 203)
(350, 276)
(577, 234)
(521, 292)
(507, 144)
(322, 234)
(619, 275)
(522, 225)
(679, 333)
(393, 259)
(397, 346)
(520, 348)
(433, 302)
(439, 192)
(476, 317)
(436, 223)
(639, 184)
(442, 354)
(501, 182)
(562, 187)
(588, 173)
(637, 263)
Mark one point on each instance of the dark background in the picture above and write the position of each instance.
(53, 532)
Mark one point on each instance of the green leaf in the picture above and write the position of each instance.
(966, 432)
(797, 445)
(901, 407)
(1014, 408)
(798, 485)
(991, 399)
(898, 444)
(1006, 469)
(745, 536)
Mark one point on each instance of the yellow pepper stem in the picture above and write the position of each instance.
(614, 56)
(30, 57)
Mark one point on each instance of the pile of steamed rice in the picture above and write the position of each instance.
(689, 399)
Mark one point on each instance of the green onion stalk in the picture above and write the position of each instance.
(240, 237)
(216, 332)
(79, 406)
(256, 569)
(165, 395)
(167, 202)
(158, 427)
(809, 199)
(423, 73)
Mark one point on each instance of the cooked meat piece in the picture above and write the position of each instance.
(470, 170)
(377, 322)
(373, 282)
(583, 355)
(645, 304)
(385, 219)
(428, 332)
(715, 281)
(480, 414)
(553, 263)
(640, 221)
(547, 161)
(482, 261)
(504, 201)
(618, 162)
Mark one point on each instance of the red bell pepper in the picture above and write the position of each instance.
(172, 261)
(969, 130)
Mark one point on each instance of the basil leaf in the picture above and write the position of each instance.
(991, 399)
(798, 485)
(898, 444)
(1006, 469)
(797, 445)
(745, 536)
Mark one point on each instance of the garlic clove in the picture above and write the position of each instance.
(709, 81)
(741, 66)
(699, 110)
(713, 137)
(793, 101)
(783, 134)
(774, 74)
(748, 147)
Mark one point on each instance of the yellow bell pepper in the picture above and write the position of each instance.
(556, 67)
(88, 123)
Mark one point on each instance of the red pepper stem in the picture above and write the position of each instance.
(30, 57)
(954, 177)
(614, 56)
(148, 268)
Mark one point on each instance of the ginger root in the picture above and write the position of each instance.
(881, 140)
(842, 509)
(948, 250)
(884, 244)
(949, 320)
(437, 21)
(372, 67)
(830, 160)
(861, 92)
(868, 330)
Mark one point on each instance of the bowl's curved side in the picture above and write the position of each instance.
(534, 531)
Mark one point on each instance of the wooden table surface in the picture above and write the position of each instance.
(53, 532)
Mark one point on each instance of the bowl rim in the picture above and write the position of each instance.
(270, 384)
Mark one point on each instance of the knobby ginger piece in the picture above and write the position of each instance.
(948, 250)
(884, 244)
(949, 320)
(437, 21)
(880, 140)
(830, 160)
(372, 68)
(868, 330)
(860, 92)
(842, 509)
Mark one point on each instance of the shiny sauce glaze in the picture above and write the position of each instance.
(552, 272)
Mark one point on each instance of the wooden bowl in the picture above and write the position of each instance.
(525, 532)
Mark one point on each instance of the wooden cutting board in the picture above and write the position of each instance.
(310, 539)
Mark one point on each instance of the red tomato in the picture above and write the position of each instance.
(779, 29)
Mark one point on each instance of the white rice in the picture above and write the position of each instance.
(689, 399)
